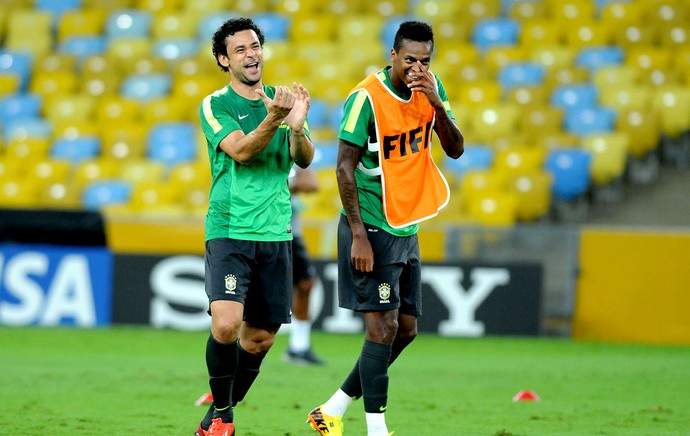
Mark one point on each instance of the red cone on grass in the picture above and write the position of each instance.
(526, 396)
(204, 399)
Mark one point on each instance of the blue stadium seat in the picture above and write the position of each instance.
(57, 7)
(274, 25)
(521, 74)
(390, 27)
(19, 63)
(128, 23)
(17, 106)
(175, 49)
(106, 192)
(30, 127)
(571, 171)
(574, 96)
(475, 157)
(593, 58)
(145, 87)
(319, 114)
(81, 47)
(209, 23)
(76, 150)
(588, 120)
(172, 143)
(325, 155)
(495, 31)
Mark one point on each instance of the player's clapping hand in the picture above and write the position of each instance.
(298, 114)
(281, 104)
(426, 84)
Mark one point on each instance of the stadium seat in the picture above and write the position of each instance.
(475, 157)
(673, 105)
(92, 170)
(577, 96)
(498, 56)
(359, 29)
(193, 174)
(75, 150)
(589, 120)
(595, 57)
(17, 63)
(117, 109)
(634, 35)
(172, 143)
(495, 31)
(675, 36)
(494, 209)
(585, 35)
(643, 129)
(540, 33)
(164, 109)
(516, 160)
(9, 83)
(153, 195)
(125, 51)
(49, 170)
(100, 193)
(123, 140)
(532, 96)
(18, 193)
(56, 62)
(18, 106)
(142, 170)
(519, 74)
(146, 87)
(128, 23)
(619, 15)
(210, 22)
(390, 27)
(22, 128)
(552, 56)
(175, 49)
(53, 83)
(526, 11)
(312, 28)
(609, 156)
(57, 8)
(571, 172)
(28, 149)
(624, 97)
(533, 192)
(81, 22)
(477, 93)
(70, 106)
(276, 26)
(648, 57)
(566, 13)
(491, 121)
(618, 75)
(60, 194)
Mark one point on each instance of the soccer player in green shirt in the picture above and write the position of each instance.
(254, 134)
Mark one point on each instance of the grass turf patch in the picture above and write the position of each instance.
(125, 381)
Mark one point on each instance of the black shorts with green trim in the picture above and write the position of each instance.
(395, 282)
(255, 273)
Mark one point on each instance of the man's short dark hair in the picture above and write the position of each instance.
(230, 27)
(413, 31)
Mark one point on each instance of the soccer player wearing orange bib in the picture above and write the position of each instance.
(388, 183)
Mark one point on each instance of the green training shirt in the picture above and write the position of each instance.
(358, 128)
(247, 202)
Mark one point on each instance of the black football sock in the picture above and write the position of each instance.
(373, 370)
(221, 360)
(206, 422)
(352, 385)
(247, 371)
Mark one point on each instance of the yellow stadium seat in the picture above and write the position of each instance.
(624, 97)
(634, 34)
(681, 61)
(70, 128)
(672, 103)
(610, 75)
(458, 54)
(205, 6)
(516, 160)
(556, 140)
(52, 83)
(477, 93)
(359, 29)
(124, 140)
(191, 174)
(9, 83)
(174, 24)
(451, 28)
(27, 23)
(498, 56)
(664, 13)
(195, 87)
(113, 109)
(19, 193)
(386, 8)
(81, 22)
(565, 76)
(491, 121)
(540, 32)
(648, 57)
(126, 50)
(313, 28)
(642, 127)
(194, 198)
(526, 11)
(569, 12)
(164, 109)
(297, 8)
(252, 6)
(63, 107)
(105, 84)
(56, 62)
(528, 96)
(609, 156)
(152, 195)
(108, 5)
(553, 56)
(48, 170)
(159, 5)
(495, 209)
(93, 170)
(587, 34)
(533, 192)
(143, 170)
(60, 194)
(478, 181)
(27, 150)
(674, 36)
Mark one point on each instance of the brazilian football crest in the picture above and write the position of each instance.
(384, 293)
(230, 284)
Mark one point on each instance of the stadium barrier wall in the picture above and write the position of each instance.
(633, 286)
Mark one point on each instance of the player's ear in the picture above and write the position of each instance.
(223, 60)
(394, 55)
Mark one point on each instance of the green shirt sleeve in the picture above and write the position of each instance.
(216, 120)
(357, 117)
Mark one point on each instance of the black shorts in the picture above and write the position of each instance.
(256, 274)
(395, 282)
(302, 266)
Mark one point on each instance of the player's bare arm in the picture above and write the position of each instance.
(301, 148)
(245, 148)
(448, 132)
(348, 158)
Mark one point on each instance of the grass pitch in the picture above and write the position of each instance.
(126, 381)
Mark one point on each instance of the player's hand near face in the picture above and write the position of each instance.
(281, 104)
(426, 85)
(298, 115)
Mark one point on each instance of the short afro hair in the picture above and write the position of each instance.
(413, 31)
(230, 27)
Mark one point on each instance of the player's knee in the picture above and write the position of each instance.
(225, 330)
